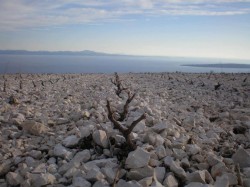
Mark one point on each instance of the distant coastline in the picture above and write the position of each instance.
(224, 65)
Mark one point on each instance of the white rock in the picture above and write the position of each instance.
(222, 181)
(18, 119)
(5, 167)
(101, 183)
(62, 152)
(35, 154)
(80, 182)
(140, 127)
(38, 180)
(242, 157)
(246, 182)
(140, 173)
(52, 168)
(72, 172)
(197, 176)
(70, 141)
(109, 174)
(218, 169)
(195, 184)
(14, 179)
(179, 153)
(192, 149)
(100, 138)
(34, 127)
(232, 178)
(41, 168)
(82, 156)
(213, 159)
(146, 181)
(179, 171)
(159, 127)
(161, 152)
(94, 175)
(123, 183)
(170, 181)
(137, 159)
(85, 131)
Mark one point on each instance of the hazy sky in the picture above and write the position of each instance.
(197, 28)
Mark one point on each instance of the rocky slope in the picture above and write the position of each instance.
(54, 130)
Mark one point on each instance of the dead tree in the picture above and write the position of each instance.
(126, 131)
(117, 82)
(4, 86)
(21, 85)
(34, 84)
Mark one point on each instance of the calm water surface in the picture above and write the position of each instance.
(103, 64)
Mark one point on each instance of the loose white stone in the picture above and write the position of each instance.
(34, 127)
(94, 175)
(38, 180)
(222, 181)
(179, 171)
(14, 179)
(137, 159)
(80, 182)
(61, 151)
(170, 181)
(146, 181)
(140, 173)
(218, 169)
(197, 176)
(123, 183)
(100, 138)
(160, 173)
(242, 157)
(70, 141)
(161, 152)
(35, 154)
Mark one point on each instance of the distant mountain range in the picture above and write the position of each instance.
(79, 53)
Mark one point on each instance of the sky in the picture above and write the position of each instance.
(185, 28)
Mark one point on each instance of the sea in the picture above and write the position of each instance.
(109, 64)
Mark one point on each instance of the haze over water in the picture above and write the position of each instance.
(105, 64)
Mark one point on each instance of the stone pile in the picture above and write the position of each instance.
(193, 136)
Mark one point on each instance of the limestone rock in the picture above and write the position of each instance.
(5, 167)
(14, 179)
(100, 138)
(34, 127)
(70, 141)
(80, 182)
(94, 175)
(123, 183)
(242, 157)
(38, 180)
(222, 181)
(218, 169)
(109, 174)
(160, 173)
(177, 170)
(197, 176)
(137, 159)
(161, 151)
(170, 181)
(62, 152)
(35, 154)
(140, 173)
(146, 181)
